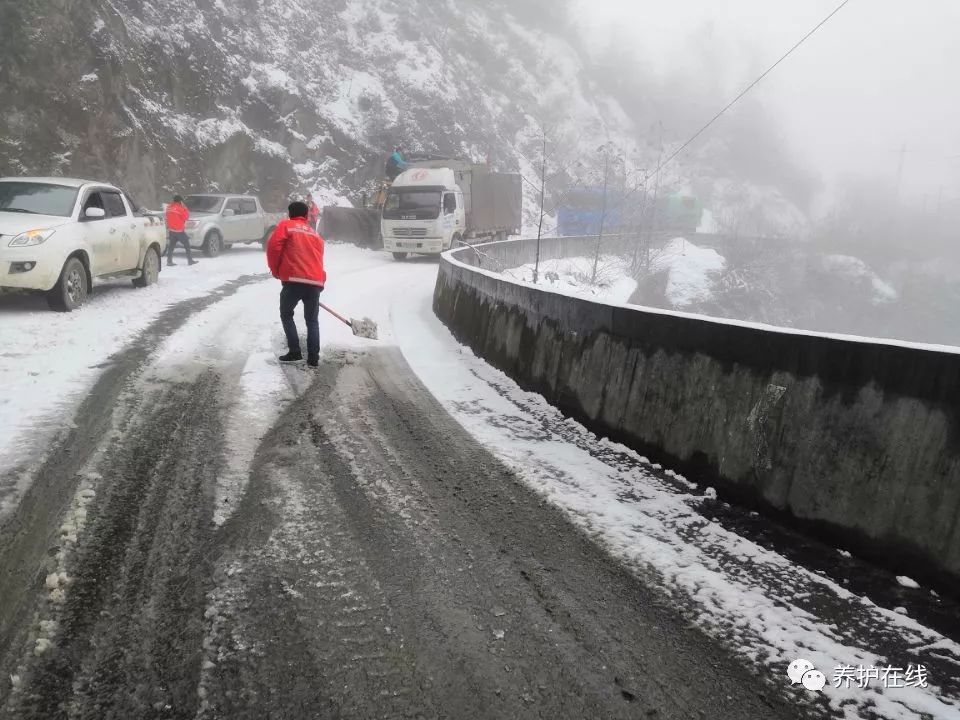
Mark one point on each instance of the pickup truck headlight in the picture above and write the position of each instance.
(191, 225)
(31, 237)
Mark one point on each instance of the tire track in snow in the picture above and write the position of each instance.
(129, 632)
(298, 625)
(382, 564)
(29, 529)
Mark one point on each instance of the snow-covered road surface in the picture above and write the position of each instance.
(239, 539)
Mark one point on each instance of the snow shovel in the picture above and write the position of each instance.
(365, 328)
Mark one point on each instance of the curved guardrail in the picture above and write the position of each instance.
(858, 439)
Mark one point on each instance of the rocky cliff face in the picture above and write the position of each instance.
(279, 96)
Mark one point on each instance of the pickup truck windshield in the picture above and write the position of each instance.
(204, 203)
(37, 198)
(412, 204)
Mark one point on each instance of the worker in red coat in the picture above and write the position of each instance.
(177, 215)
(314, 214)
(295, 257)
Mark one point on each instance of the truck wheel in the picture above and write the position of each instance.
(150, 271)
(400, 256)
(71, 289)
(212, 244)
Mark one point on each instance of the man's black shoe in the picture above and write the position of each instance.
(313, 362)
(193, 262)
(291, 357)
(171, 263)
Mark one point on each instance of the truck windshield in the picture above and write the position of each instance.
(412, 205)
(37, 198)
(204, 203)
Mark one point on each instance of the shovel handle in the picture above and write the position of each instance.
(337, 315)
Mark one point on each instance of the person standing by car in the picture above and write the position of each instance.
(295, 257)
(177, 216)
(314, 214)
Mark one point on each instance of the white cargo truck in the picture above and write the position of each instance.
(439, 204)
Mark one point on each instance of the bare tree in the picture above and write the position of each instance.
(605, 149)
(543, 188)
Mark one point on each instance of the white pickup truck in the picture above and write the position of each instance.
(58, 234)
(220, 221)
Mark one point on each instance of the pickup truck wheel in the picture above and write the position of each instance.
(400, 256)
(212, 244)
(150, 271)
(71, 289)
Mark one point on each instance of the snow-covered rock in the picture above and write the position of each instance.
(858, 271)
(691, 272)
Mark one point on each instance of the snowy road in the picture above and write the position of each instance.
(189, 530)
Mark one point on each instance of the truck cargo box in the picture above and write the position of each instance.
(496, 204)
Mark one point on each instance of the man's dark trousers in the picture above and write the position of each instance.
(292, 294)
(173, 238)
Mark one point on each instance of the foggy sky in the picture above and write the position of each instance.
(882, 73)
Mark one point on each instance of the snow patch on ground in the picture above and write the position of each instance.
(856, 269)
(49, 360)
(575, 277)
(327, 197)
(692, 271)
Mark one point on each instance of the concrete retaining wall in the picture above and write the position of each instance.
(857, 439)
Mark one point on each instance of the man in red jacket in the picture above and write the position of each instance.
(314, 215)
(177, 216)
(295, 257)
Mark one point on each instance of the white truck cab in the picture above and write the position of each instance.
(424, 213)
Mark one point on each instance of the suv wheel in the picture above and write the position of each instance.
(71, 289)
(150, 271)
(213, 244)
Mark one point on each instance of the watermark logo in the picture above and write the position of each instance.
(803, 672)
